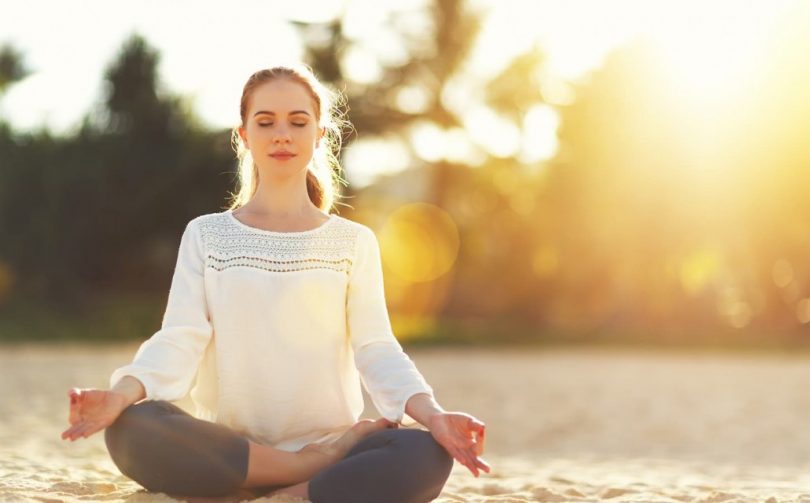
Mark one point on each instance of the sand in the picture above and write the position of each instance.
(562, 425)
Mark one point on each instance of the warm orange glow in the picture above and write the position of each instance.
(697, 270)
(545, 261)
(419, 242)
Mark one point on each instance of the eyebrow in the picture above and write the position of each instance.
(273, 113)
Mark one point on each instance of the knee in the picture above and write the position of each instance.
(398, 466)
(164, 449)
(128, 438)
(131, 423)
(431, 460)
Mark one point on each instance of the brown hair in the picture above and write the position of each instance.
(323, 174)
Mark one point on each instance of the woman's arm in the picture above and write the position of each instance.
(388, 374)
(394, 383)
(422, 407)
(131, 389)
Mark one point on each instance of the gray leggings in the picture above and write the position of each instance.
(164, 449)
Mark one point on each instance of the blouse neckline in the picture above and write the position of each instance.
(279, 233)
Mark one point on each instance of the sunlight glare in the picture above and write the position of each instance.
(714, 47)
(539, 134)
(499, 136)
(365, 159)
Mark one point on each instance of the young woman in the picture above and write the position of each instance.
(276, 312)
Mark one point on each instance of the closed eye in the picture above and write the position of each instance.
(266, 124)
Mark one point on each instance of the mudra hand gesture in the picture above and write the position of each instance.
(92, 410)
(463, 437)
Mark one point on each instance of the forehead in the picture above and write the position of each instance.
(281, 96)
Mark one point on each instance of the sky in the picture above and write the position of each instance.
(209, 48)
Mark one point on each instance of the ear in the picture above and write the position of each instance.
(242, 135)
(321, 134)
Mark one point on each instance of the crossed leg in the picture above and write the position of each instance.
(164, 449)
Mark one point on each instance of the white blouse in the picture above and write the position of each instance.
(272, 332)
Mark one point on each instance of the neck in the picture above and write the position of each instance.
(285, 197)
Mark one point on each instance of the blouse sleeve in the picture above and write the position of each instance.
(167, 362)
(388, 374)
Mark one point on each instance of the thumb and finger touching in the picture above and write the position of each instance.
(87, 414)
(466, 443)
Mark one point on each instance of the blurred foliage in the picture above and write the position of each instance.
(100, 211)
(12, 68)
(662, 218)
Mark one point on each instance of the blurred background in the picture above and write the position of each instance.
(625, 172)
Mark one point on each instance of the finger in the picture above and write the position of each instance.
(81, 430)
(88, 429)
(77, 430)
(476, 461)
(468, 461)
(457, 454)
(76, 402)
(75, 394)
(479, 443)
(483, 464)
(70, 433)
(463, 444)
(475, 466)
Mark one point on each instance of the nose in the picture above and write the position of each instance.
(282, 135)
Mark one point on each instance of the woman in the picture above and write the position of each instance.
(275, 313)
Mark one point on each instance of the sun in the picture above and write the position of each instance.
(713, 49)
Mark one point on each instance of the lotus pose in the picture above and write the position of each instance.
(275, 314)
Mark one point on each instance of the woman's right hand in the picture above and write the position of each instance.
(92, 410)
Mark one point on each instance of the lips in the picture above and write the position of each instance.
(282, 155)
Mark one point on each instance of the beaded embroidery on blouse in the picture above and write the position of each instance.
(228, 244)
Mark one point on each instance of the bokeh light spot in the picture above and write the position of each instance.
(419, 242)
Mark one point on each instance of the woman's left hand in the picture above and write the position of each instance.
(463, 437)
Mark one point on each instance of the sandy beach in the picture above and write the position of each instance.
(562, 425)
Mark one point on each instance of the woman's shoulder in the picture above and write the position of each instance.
(350, 224)
(360, 234)
(208, 218)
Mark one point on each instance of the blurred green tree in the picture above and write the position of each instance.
(12, 67)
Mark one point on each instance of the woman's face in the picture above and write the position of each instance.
(281, 118)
